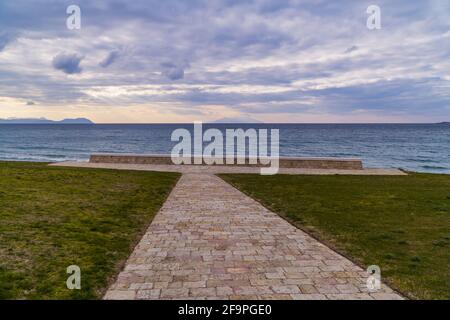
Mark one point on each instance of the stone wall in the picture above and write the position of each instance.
(285, 162)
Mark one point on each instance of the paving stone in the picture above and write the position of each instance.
(153, 294)
(275, 297)
(253, 290)
(120, 295)
(311, 296)
(194, 284)
(347, 288)
(224, 291)
(203, 292)
(349, 296)
(308, 289)
(286, 289)
(174, 293)
(385, 296)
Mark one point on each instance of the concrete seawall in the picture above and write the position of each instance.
(285, 162)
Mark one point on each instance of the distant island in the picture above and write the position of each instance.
(44, 121)
(445, 122)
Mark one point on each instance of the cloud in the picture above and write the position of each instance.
(30, 103)
(351, 49)
(4, 40)
(67, 63)
(172, 71)
(249, 57)
(112, 56)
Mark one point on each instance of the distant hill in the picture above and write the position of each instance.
(445, 122)
(44, 121)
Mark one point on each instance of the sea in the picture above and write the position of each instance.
(414, 147)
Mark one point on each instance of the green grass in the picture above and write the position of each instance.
(401, 223)
(53, 217)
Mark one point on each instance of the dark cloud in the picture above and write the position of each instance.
(67, 63)
(351, 49)
(172, 71)
(414, 97)
(4, 40)
(112, 56)
(30, 103)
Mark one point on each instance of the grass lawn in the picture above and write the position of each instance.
(53, 217)
(401, 223)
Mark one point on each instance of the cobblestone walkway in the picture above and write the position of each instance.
(210, 241)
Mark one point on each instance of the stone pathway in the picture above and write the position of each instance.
(210, 241)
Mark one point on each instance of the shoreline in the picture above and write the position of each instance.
(86, 161)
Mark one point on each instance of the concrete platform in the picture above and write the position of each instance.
(225, 169)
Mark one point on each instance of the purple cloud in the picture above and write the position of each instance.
(112, 56)
(67, 63)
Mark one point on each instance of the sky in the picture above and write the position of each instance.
(158, 61)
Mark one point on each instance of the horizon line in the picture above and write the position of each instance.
(236, 123)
